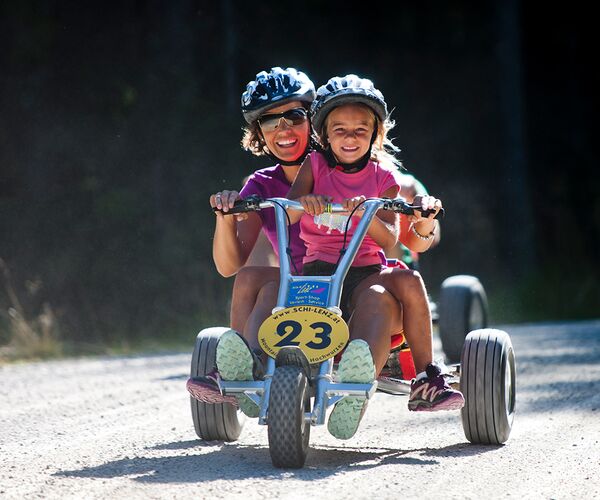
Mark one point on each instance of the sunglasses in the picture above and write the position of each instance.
(291, 117)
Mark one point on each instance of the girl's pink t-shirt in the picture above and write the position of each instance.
(323, 234)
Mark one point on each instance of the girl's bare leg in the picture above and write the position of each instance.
(408, 288)
(376, 313)
(405, 307)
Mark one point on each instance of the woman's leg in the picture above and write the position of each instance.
(252, 297)
(265, 302)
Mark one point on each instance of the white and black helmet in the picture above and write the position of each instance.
(344, 90)
(274, 88)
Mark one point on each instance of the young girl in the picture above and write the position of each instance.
(351, 123)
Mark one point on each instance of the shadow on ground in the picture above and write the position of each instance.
(235, 461)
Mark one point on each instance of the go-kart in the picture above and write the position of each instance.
(461, 307)
(304, 335)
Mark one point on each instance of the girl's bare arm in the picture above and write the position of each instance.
(301, 191)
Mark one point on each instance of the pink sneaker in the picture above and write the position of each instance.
(432, 393)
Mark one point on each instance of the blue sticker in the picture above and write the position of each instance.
(312, 293)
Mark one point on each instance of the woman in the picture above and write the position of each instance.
(275, 106)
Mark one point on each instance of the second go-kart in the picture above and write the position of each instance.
(462, 308)
(302, 338)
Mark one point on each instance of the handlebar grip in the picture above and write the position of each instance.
(406, 209)
(240, 207)
(439, 215)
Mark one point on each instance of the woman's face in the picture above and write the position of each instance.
(286, 142)
(349, 130)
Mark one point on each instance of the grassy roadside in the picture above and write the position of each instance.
(552, 295)
(33, 348)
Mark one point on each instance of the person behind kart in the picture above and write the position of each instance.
(410, 188)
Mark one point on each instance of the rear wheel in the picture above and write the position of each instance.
(462, 308)
(288, 430)
(212, 422)
(488, 383)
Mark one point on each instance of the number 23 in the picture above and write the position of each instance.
(290, 329)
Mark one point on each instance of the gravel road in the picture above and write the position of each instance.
(121, 428)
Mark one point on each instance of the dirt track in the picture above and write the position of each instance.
(121, 428)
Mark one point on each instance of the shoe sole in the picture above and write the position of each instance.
(453, 402)
(208, 394)
(235, 362)
(356, 366)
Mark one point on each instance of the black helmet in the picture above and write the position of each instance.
(271, 89)
(343, 90)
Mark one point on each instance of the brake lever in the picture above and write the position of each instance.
(427, 213)
(401, 206)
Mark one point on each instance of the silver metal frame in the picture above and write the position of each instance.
(327, 392)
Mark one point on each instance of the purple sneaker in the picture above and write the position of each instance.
(207, 389)
(433, 393)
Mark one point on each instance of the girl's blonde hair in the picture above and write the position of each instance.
(383, 149)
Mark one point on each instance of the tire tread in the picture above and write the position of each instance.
(212, 422)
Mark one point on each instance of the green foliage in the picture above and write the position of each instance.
(550, 293)
(36, 336)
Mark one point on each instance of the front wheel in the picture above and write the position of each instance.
(288, 431)
(212, 422)
(488, 383)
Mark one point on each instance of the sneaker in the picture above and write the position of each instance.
(207, 389)
(356, 366)
(236, 361)
(432, 393)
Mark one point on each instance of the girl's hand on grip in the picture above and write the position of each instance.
(314, 204)
(351, 203)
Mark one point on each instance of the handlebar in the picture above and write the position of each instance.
(255, 203)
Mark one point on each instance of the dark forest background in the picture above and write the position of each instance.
(118, 119)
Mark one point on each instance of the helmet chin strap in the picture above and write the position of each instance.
(355, 166)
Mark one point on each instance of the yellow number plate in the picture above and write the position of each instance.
(320, 333)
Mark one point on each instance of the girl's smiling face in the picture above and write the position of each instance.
(287, 142)
(349, 130)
